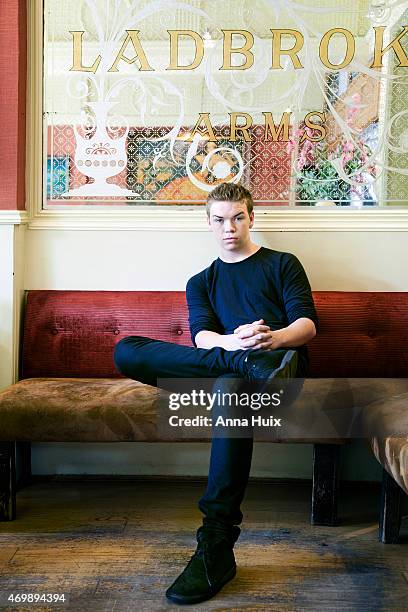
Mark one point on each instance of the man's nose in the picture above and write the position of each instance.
(229, 226)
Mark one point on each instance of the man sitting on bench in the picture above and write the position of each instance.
(251, 313)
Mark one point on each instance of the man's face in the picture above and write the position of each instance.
(230, 223)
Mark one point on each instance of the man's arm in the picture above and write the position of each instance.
(209, 339)
(297, 299)
(299, 307)
(202, 317)
(230, 342)
(296, 334)
(256, 335)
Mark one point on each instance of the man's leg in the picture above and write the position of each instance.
(230, 460)
(213, 563)
(231, 456)
(146, 360)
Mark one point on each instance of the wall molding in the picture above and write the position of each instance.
(165, 219)
(13, 217)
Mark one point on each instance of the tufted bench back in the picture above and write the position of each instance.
(73, 333)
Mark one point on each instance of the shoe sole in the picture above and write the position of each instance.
(193, 599)
(287, 369)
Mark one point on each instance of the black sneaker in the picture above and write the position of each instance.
(211, 566)
(261, 365)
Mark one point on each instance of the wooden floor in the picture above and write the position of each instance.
(118, 545)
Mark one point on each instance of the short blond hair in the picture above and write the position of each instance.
(231, 192)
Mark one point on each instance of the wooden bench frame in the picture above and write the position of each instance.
(325, 488)
(326, 463)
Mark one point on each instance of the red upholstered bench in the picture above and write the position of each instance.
(69, 389)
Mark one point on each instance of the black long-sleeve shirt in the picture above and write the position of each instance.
(267, 285)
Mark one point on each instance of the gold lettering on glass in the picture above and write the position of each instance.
(158, 103)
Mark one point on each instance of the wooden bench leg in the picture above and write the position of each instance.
(7, 481)
(326, 462)
(390, 512)
(23, 464)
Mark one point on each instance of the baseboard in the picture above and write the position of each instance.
(373, 485)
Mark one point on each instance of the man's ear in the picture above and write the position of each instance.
(251, 219)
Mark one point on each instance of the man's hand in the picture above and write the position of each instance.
(257, 335)
(250, 336)
(262, 337)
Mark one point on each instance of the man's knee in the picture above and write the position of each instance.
(126, 355)
(227, 391)
(227, 382)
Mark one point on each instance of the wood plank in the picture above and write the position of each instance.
(117, 546)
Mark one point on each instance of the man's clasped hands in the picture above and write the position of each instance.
(257, 335)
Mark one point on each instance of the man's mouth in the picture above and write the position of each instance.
(230, 239)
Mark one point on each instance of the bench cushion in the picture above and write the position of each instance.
(78, 410)
(86, 410)
(115, 410)
(387, 420)
(392, 453)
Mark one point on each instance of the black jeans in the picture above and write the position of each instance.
(146, 360)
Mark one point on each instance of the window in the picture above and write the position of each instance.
(152, 104)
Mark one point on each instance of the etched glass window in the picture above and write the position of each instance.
(155, 103)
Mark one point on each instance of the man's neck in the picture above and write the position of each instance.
(233, 257)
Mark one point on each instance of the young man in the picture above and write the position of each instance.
(251, 313)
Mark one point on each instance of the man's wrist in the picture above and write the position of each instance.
(230, 342)
(209, 339)
(280, 338)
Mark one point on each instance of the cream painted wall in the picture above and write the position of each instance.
(344, 261)
(132, 260)
(6, 304)
(11, 296)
